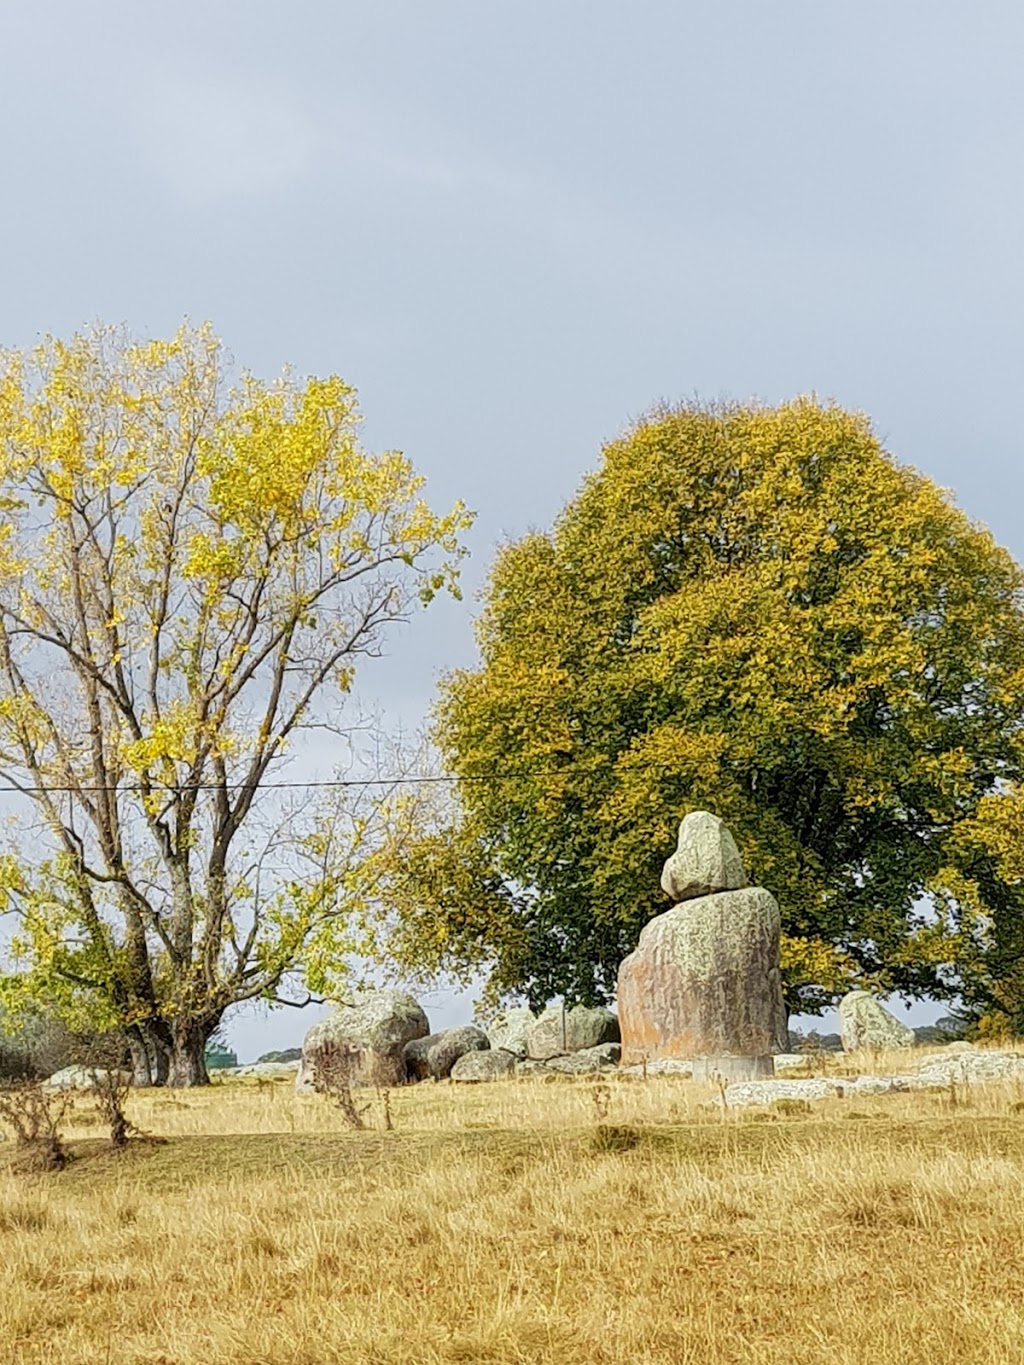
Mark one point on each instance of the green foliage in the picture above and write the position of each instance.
(288, 1054)
(755, 611)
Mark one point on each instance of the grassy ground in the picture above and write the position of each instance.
(525, 1222)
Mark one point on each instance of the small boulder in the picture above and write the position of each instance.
(491, 1065)
(432, 1057)
(604, 1057)
(706, 860)
(367, 1036)
(865, 1023)
(556, 1033)
(509, 1031)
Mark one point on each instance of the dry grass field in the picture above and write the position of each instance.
(569, 1221)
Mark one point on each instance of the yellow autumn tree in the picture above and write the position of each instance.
(190, 570)
(752, 610)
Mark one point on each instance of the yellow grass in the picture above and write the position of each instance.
(570, 1221)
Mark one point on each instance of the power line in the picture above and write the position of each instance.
(311, 785)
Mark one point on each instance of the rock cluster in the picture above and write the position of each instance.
(704, 983)
(385, 1040)
(558, 1043)
(432, 1058)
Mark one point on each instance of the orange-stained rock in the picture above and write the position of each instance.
(704, 981)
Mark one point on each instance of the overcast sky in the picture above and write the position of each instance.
(516, 226)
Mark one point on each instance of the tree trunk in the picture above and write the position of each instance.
(150, 1056)
(188, 1058)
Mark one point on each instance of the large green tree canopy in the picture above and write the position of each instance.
(753, 610)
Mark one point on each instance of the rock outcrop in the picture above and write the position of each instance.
(370, 1033)
(604, 1057)
(509, 1031)
(493, 1065)
(865, 1023)
(432, 1057)
(556, 1033)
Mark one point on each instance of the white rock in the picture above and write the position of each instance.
(790, 1061)
(79, 1078)
(745, 1093)
(267, 1070)
(666, 1066)
(972, 1068)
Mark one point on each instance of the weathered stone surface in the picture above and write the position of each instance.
(704, 981)
(745, 1093)
(433, 1057)
(972, 1068)
(961, 1045)
(604, 1057)
(492, 1065)
(554, 1035)
(791, 1061)
(372, 1032)
(80, 1078)
(706, 860)
(667, 1066)
(864, 1023)
(722, 1070)
(510, 1029)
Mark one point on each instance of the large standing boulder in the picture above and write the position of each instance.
(704, 984)
(706, 860)
(509, 1031)
(492, 1065)
(370, 1033)
(864, 1023)
(432, 1057)
(556, 1033)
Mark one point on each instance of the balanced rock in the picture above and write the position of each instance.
(492, 1065)
(432, 1057)
(706, 860)
(557, 1032)
(365, 1039)
(864, 1023)
(704, 984)
(509, 1030)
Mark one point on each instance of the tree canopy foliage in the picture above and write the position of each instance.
(190, 572)
(756, 611)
